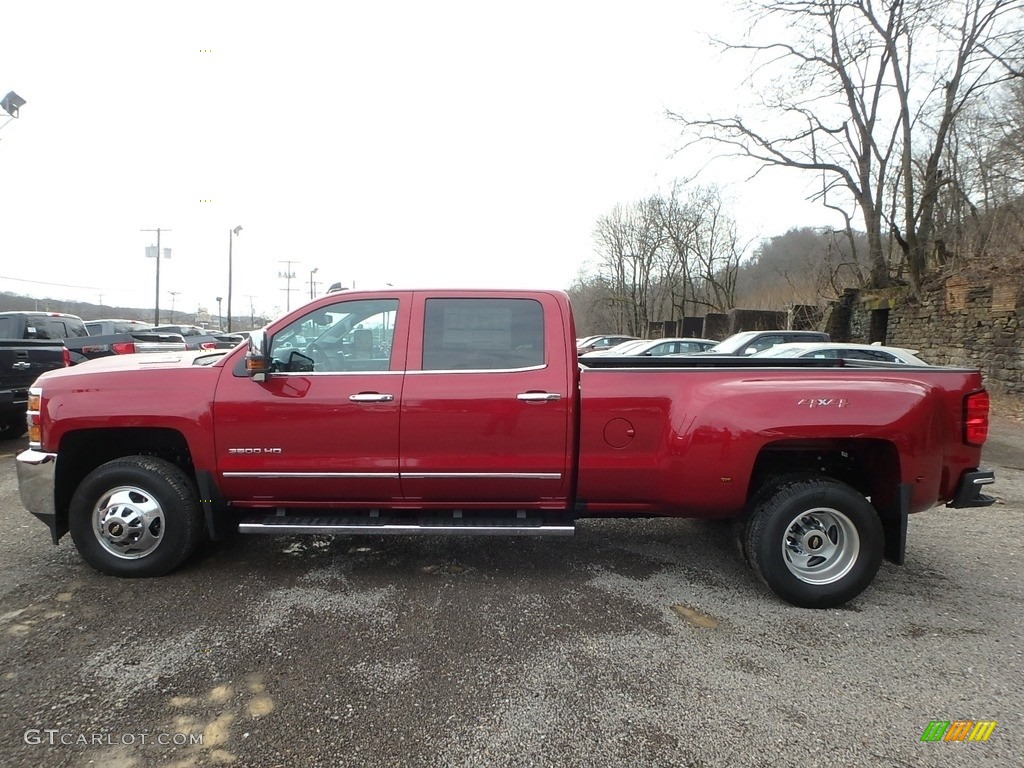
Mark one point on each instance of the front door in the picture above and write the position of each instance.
(324, 425)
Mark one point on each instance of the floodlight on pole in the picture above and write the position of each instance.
(312, 288)
(232, 233)
(10, 104)
(153, 252)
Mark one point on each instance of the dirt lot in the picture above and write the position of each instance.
(632, 644)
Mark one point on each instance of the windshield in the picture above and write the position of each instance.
(626, 346)
(734, 343)
(780, 350)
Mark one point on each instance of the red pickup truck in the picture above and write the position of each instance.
(467, 412)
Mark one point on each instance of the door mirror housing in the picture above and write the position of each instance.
(257, 358)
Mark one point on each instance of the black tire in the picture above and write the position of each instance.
(817, 543)
(136, 516)
(13, 428)
(741, 525)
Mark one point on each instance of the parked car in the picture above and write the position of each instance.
(750, 342)
(82, 345)
(837, 351)
(616, 350)
(203, 338)
(661, 347)
(103, 327)
(598, 343)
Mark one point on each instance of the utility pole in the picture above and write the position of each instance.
(232, 234)
(156, 253)
(288, 275)
(174, 295)
(252, 312)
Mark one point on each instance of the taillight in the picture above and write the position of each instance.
(976, 407)
(123, 347)
(67, 357)
(206, 346)
(35, 432)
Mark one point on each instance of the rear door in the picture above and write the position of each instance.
(487, 403)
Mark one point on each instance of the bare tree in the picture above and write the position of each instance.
(629, 242)
(593, 304)
(712, 251)
(857, 91)
(663, 257)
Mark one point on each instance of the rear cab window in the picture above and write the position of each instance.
(482, 334)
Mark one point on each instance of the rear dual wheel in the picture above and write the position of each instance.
(817, 543)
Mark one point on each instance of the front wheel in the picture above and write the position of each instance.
(816, 542)
(13, 427)
(135, 516)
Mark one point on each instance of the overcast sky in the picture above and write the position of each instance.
(413, 143)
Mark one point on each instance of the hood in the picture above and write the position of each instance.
(150, 361)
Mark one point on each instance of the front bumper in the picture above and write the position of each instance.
(968, 490)
(36, 479)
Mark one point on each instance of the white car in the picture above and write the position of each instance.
(661, 347)
(614, 350)
(837, 350)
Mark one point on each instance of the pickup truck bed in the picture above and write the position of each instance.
(467, 412)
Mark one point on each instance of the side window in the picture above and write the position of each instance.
(765, 342)
(868, 354)
(482, 334)
(349, 336)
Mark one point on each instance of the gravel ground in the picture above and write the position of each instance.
(634, 643)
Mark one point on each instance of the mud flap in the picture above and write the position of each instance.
(894, 524)
(218, 525)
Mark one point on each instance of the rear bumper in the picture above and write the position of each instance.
(968, 490)
(36, 475)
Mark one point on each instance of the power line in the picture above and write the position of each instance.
(62, 285)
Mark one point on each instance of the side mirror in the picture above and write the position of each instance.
(257, 359)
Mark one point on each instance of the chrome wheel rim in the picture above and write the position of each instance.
(128, 522)
(820, 546)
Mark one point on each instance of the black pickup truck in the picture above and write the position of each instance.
(22, 361)
(80, 345)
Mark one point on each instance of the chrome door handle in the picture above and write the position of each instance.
(371, 397)
(538, 397)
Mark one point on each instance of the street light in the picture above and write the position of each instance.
(10, 104)
(153, 252)
(231, 237)
(220, 318)
(312, 292)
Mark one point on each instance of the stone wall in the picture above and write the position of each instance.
(962, 321)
